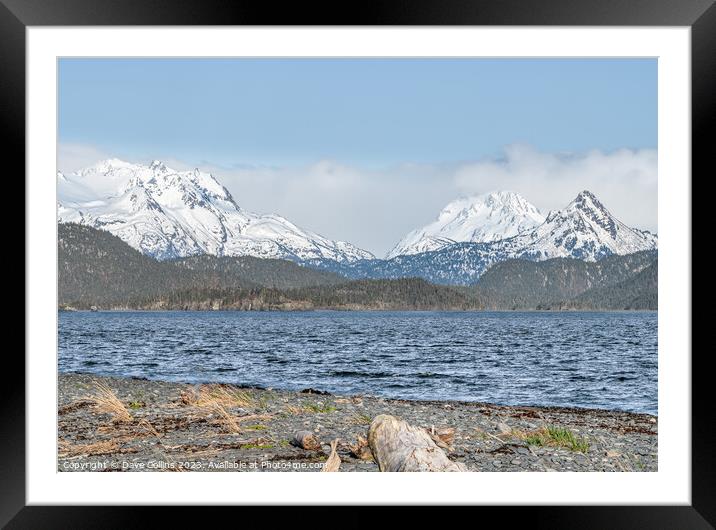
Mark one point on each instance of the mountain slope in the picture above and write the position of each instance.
(479, 219)
(280, 274)
(637, 292)
(169, 214)
(563, 282)
(97, 268)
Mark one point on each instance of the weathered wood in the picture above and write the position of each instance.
(306, 440)
(399, 446)
(334, 461)
(360, 449)
(442, 436)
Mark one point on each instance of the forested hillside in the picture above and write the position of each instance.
(97, 269)
(638, 292)
(565, 283)
(240, 271)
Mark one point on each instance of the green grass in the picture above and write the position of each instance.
(361, 419)
(566, 438)
(319, 408)
(258, 446)
(534, 439)
(555, 437)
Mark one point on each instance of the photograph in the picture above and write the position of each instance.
(357, 264)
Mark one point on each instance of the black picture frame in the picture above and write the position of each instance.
(699, 15)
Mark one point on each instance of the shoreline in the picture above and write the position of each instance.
(220, 427)
(345, 310)
(320, 391)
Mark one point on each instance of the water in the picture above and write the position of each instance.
(575, 359)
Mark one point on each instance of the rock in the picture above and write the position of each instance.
(314, 391)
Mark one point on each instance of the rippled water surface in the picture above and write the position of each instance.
(602, 360)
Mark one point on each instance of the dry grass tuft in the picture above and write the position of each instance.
(227, 419)
(188, 397)
(149, 427)
(97, 448)
(218, 398)
(292, 410)
(105, 400)
(209, 395)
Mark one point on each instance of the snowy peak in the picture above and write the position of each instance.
(477, 219)
(584, 229)
(593, 212)
(158, 165)
(168, 214)
(508, 226)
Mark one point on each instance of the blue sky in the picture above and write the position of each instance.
(364, 112)
(404, 136)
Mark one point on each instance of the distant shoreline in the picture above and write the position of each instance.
(347, 310)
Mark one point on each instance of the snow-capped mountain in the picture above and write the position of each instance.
(168, 214)
(585, 230)
(478, 219)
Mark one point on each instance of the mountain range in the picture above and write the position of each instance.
(168, 214)
(583, 230)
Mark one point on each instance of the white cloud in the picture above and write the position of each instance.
(74, 156)
(371, 209)
(624, 180)
(375, 208)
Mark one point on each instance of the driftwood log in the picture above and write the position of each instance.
(334, 461)
(398, 446)
(306, 440)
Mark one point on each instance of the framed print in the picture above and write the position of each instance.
(443, 253)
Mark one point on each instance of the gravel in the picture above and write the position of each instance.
(170, 431)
